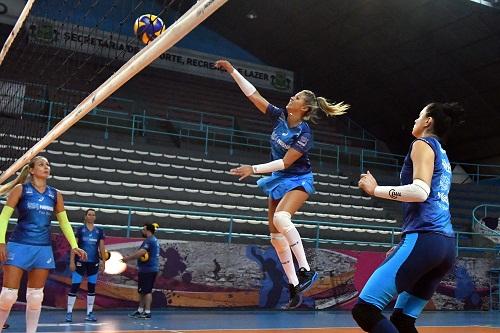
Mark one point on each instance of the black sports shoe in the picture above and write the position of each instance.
(306, 278)
(135, 314)
(144, 315)
(5, 326)
(295, 298)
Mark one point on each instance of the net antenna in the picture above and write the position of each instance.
(185, 24)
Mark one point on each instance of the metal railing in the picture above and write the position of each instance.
(210, 135)
(478, 213)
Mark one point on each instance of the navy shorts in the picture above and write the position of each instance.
(146, 282)
(413, 272)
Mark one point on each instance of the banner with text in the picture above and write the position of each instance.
(219, 275)
(109, 45)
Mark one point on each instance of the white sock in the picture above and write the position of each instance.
(8, 298)
(287, 263)
(4, 314)
(90, 303)
(34, 298)
(32, 317)
(71, 303)
(293, 238)
(139, 309)
(147, 311)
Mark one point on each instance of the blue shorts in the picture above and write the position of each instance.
(29, 257)
(279, 184)
(91, 269)
(413, 270)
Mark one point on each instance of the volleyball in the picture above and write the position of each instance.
(147, 27)
(115, 265)
(107, 255)
(144, 257)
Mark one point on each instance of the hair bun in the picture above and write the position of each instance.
(456, 112)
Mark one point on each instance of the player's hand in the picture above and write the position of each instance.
(367, 183)
(3, 253)
(80, 253)
(102, 266)
(224, 64)
(72, 266)
(243, 171)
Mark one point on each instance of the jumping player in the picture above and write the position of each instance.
(291, 181)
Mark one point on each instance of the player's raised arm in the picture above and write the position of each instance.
(246, 87)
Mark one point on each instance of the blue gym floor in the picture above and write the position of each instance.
(208, 321)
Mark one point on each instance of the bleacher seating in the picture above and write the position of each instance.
(187, 192)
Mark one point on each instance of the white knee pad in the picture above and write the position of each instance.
(283, 221)
(34, 298)
(8, 297)
(279, 242)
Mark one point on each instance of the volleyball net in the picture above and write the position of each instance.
(58, 53)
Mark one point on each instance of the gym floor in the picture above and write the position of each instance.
(244, 321)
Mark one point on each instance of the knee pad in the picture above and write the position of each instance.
(283, 221)
(91, 289)
(8, 297)
(404, 323)
(34, 298)
(74, 289)
(366, 315)
(279, 242)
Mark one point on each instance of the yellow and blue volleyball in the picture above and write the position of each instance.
(144, 257)
(147, 27)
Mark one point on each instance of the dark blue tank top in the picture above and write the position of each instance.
(434, 213)
(89, 242)
(35, 213)
(284, 137)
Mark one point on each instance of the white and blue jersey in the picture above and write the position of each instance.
(152, 246)
(284, 137)
(89, 242)
(35, 213)
(434, 213)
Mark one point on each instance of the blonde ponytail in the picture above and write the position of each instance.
(320, 103)
(6, 188)
(331, 109)
(21, 179)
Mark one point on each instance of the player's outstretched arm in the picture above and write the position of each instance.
(246, 87)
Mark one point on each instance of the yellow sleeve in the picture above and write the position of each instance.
(4, 221)
(66, 228)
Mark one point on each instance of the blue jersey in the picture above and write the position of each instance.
(152, 246)
(434, 213)
(35, 213)
(284, 137)
(89, 242)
